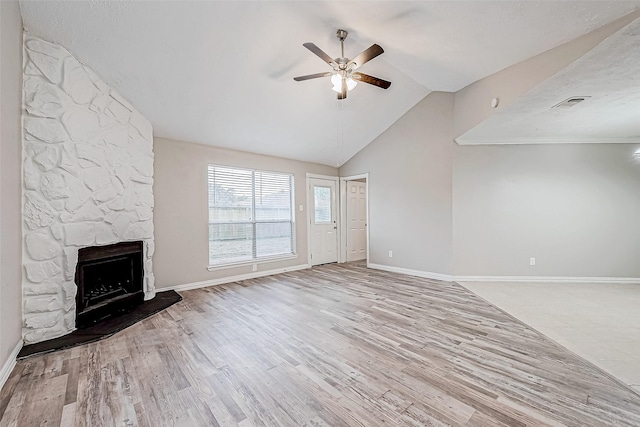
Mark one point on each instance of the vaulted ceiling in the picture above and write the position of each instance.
(221, 73)
(606, 79)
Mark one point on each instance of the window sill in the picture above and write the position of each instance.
(248, 263)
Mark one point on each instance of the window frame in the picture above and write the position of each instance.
(253, 222)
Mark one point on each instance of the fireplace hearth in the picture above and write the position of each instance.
(109, 280)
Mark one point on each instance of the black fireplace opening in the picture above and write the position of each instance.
(109, 280)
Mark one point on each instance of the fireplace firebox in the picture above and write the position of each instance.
(109, 280)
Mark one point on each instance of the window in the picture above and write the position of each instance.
(250, 215)
(322, 203)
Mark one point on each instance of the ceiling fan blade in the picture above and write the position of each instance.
(312, 76)
(364, 57)
(320, 53)
(365, 78)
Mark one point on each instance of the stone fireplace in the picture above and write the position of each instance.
(87, 181)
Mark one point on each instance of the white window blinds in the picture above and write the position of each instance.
(250, 215)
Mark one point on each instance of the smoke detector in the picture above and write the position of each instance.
(570, 102)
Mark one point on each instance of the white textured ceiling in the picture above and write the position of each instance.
(220, 73)
(609, 75)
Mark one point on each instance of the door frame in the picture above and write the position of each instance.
(310, 210)
(342, 253)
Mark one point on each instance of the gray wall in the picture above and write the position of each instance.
(181, 214)
(575, 208)
(410, 174)
(10, 178)
(572, 207)
(485, 210)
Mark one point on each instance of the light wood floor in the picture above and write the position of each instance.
(330, 346)
(598, 321)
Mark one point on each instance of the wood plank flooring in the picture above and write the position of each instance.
(336, 345)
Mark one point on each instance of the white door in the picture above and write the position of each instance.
(323, 215)
(356, 221)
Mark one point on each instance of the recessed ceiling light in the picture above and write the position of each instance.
(637, 153)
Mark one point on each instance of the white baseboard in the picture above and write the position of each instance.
(522, 279)
(549, 279)
(9, 364)
(410, 272)
(230, 279)
(417, 273)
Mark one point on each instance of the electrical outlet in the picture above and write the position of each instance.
(390, 254)
(255, 267)
(301, 208)
(532, 261)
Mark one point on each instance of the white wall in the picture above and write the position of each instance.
(87, 175)
(574, 207)
(181, 213)
(10, 194)
(410, 185)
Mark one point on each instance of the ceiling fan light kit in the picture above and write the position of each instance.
(344, 77)
(336, 81)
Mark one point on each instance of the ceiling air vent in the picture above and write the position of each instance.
(570, 102)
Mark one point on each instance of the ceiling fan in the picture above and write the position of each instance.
(344, 77)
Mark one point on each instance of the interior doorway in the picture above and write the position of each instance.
(354, 207)
(322, 213)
